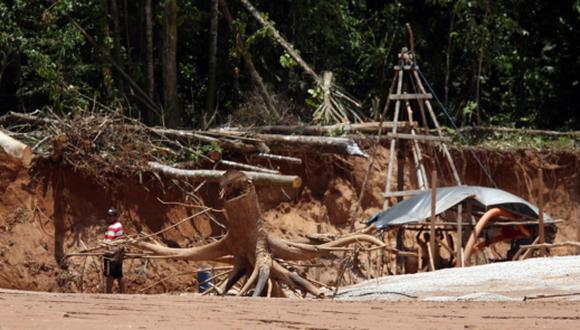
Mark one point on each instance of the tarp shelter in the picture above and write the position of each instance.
(418, 208)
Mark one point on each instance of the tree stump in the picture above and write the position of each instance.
(252, 250)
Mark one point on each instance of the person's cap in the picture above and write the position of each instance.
(112, 212)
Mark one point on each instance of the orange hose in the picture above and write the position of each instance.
(491, 213)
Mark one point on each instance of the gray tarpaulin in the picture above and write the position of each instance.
(418, 208)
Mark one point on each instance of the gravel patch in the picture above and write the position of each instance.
(483, 282)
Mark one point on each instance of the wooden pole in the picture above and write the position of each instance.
(433, 217)
(541, 210)
(317, 269)
(401, 148)
(459, 249)
(369, 265)
(393, 142)
(431, 259)
(470, 213)
(439, 131)
(578, 231)
(400, 261)
(521, 250)
(418, 158)
(420, 260)
(529, 251)
(380, 256)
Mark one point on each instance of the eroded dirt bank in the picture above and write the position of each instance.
(51, 210)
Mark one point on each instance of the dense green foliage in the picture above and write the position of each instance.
(509, 62)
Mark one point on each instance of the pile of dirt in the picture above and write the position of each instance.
(51, 210)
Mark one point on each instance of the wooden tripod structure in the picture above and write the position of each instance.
(410, 91)
(407, 71)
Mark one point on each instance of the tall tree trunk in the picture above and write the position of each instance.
(127, 38)
(448, 55)
(256, 78)
(150, 70)
(213, 35)
(117, 40)
(169, 57)
(105, 34)
(478, 85)
(237, 90)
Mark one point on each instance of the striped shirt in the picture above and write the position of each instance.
(114, 232)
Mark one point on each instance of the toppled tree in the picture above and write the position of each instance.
(252, 250)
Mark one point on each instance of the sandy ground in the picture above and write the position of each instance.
(482, 297)
(26, 310)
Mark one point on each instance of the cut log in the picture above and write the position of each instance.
(247, 167)
(279, 158)
(313, 144)
(16, 149)
(227, 142)
(371, 128)
(507, 130)
(238, 141)
(213, 175)
(19, 118)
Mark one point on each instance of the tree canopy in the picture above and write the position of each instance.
(184, 63)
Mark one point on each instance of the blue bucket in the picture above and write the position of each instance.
(204, 281)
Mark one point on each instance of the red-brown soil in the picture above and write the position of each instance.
(51, 210)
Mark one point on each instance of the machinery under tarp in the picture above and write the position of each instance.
(418, 208)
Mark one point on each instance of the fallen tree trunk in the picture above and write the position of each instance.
(405, 136)
(235, 140)
(19, 118)
(16, 149)
(313, 144)
(338, 106)
(278, 37)
(508, 130)
(278, 158)
(370, 128)
(257, 178)
(247, 167)
(226, 142)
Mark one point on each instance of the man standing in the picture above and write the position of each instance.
(113, 260)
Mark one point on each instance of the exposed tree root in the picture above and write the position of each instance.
(254, 250)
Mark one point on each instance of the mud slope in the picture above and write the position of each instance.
(52, 210)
